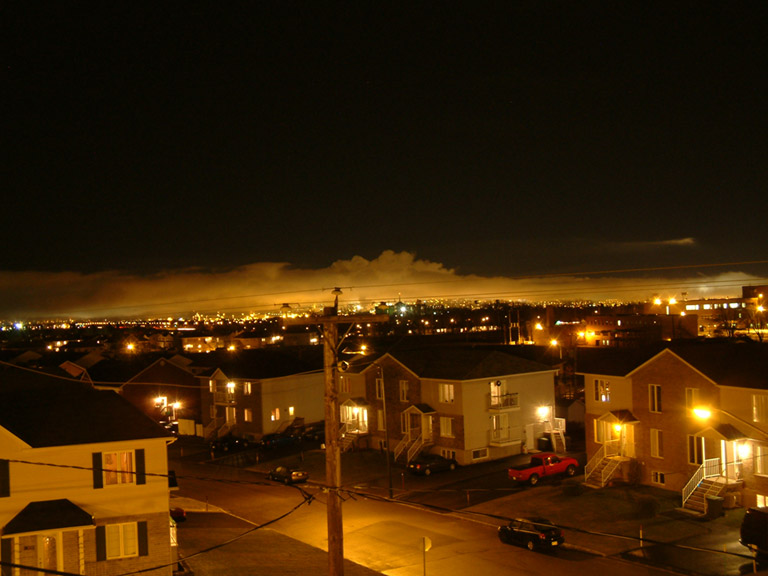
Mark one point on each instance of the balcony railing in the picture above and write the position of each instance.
(503, 401)
(507, 435)
(223, 398)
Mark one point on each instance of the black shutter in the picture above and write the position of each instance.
(6, 555)
(143, 539)
(101, 543)
(5, 478)
(98, 476)
(141, 476)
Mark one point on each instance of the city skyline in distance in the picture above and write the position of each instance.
(264, 288)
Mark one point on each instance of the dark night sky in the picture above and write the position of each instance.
(493, 138)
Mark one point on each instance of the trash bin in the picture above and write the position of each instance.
(544, 444)
(714, 506)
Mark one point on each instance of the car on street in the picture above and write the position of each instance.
(288, 475)
(273, 441)
(178, 514)
(425, 464)
(541, 465)
(229, 443)
(532, 532)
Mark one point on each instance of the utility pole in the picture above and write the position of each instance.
(330, 326)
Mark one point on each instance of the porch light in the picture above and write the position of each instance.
(553, 342)
(230, 387)
(744, 450)
(617, 427)
(702, 413)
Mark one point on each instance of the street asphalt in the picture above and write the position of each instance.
(635, 523)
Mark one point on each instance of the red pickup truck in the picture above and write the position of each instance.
(543, 464)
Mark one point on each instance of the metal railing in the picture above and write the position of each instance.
(710, 467)
(607, 450)
(507, 435)
(499, 401)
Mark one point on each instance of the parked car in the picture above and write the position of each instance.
(313, 433)
(229, 443)
(427, 463)
(288, 475)
(534, 532)
(544, 464)
(276, 440)
(754, 531)
(178, 514)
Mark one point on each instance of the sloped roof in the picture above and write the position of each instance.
(44, 410)
(613, 361)
(743, 364)
(48, 515)
(261, 363)
(470, 363)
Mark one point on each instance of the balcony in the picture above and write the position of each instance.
(227, 398)
(503, 402)
(507, 436)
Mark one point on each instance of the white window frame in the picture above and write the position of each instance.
(691, 398)
(695, 449)
(760, 408)
(654, 398)
(657, 443)
(602, 390)
(122, 470)
(247, 389)
(761, 459)
(122, 540)
(247, 415)
(446, 427)
(379, 388)
(658, 477)
(447, 393)
(403, 388)
(381, 424)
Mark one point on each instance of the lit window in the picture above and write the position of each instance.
(211, 386)
(759, 407)
(446, 427)
(118, 468)
(276, 414)
(247, 388)
(446, 393)
(761, 459)
(602, 390)
(290, 410)
(248, 415)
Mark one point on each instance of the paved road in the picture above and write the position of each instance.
(382, 536)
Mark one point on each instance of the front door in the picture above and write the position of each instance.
(49, 553)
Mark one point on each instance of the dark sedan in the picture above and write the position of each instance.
(272, 441)
(288, 475)
(229, 443)
(532, 533)
(427, 463)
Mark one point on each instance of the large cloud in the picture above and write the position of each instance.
(262, 287)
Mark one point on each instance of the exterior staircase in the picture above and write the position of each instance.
(558, 441)
(707, 488)
(601, 473)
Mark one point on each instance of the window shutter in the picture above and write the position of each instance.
(6, 555)
(143, 539)
(101, 543)
(141, 475)
(98, 476)
(5, 479)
